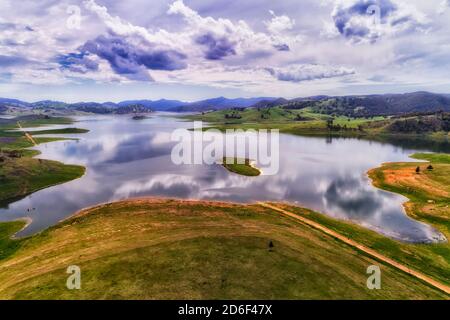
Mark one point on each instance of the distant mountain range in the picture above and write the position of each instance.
(355, 105)
(149, 105)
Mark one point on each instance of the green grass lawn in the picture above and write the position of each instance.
(168, 249)
(241, 166)
(441, 158)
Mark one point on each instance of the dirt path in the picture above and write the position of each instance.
(360, 247)
(27, 135)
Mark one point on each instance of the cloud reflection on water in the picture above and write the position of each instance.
(126, 158)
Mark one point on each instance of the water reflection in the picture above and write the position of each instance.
(126, 158)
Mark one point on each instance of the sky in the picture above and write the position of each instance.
(105, 50)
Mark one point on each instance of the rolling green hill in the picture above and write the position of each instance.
(167, 249)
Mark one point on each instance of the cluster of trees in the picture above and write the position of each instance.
(298, 105)
(134, 108)
(439, 113)
(233, 115)
(265, 114)
(429, 168)
(299, 117)
(374, 105)
(422, 124)
(352, 107)
(8, 154)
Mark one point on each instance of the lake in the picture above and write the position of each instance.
(127, 158)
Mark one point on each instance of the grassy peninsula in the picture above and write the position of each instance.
(20, 173)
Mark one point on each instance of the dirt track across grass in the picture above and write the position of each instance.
(360, 247)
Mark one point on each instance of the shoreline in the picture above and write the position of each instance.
(409, 204)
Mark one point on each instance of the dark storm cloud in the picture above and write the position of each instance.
(127, 59)
(217, 48)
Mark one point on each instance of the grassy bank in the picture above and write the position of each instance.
(243, 167)
(22, 176)
(429, 195)
(167, 249)
(20, 173)
(308, 123)
(60, 131)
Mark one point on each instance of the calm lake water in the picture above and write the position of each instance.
(127, 158)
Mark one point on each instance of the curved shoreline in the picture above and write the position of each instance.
(409, 203)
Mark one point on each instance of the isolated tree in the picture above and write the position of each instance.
(271, 245)
(430, 167)
(418, 170)
(330, 123)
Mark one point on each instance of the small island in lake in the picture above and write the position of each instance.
(140, 117)
(241, 166)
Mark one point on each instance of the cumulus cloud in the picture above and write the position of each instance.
(216, 46)
(279, 24)
(129, 50)
(308, 72)
(227, 37)
(445, 4)
(369, 20)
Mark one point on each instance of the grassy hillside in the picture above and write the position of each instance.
(370, 105)
(306, 121)
(25, 175)
(20, 173)
(167, 249)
